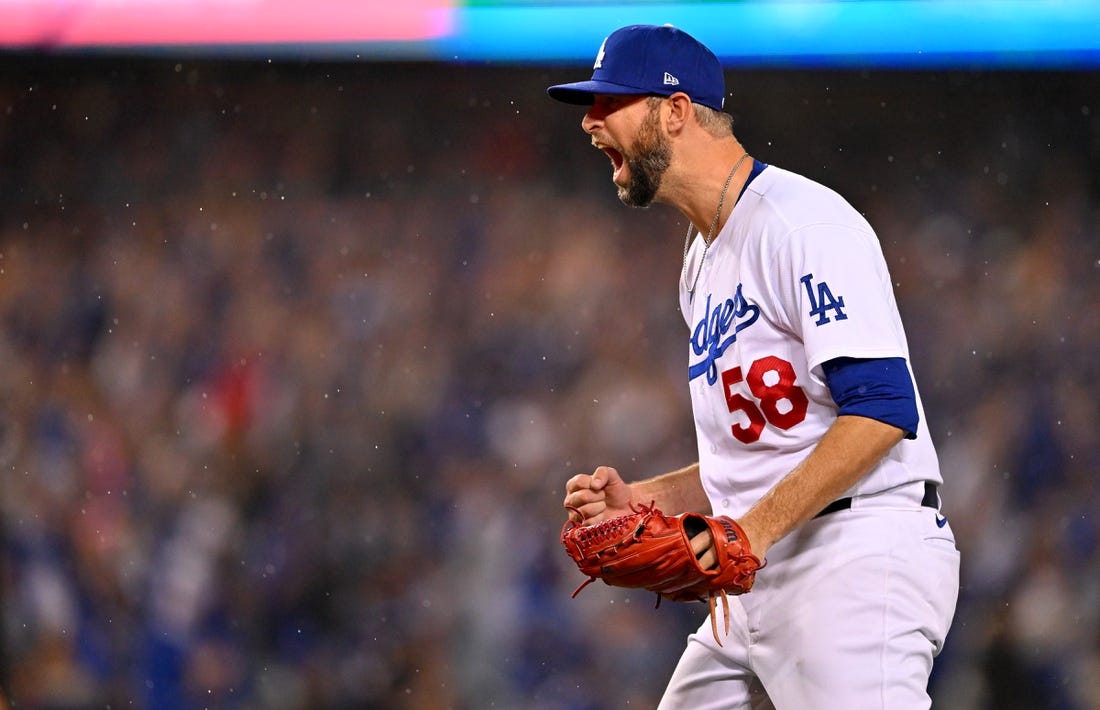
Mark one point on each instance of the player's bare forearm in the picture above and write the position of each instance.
(676, 492)
(848, 451)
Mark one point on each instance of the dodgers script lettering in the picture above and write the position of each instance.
(718, 330)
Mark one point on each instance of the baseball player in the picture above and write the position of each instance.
(810, 427)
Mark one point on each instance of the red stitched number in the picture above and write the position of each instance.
(769, 396)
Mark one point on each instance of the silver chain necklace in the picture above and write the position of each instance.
(710, 233)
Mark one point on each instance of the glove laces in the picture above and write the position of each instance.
(622, 529)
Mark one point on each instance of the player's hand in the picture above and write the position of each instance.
(703, 547)
(597, 497)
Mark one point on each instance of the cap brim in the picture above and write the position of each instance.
(581, 92)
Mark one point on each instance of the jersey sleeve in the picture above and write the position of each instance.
(880, 388)
(835, 294)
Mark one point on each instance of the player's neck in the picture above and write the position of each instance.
(708, 193)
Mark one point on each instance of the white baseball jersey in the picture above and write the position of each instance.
(795, 278)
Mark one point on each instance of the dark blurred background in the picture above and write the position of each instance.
(297, 357)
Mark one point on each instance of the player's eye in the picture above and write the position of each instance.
(610, 103)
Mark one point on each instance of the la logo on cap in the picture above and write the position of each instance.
(599, 56)
(640, 60)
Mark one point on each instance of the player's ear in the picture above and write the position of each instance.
(680, 111)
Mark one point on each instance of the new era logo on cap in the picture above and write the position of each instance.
(650, 60)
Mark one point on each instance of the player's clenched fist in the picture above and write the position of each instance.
(597, 497)
(680, 557)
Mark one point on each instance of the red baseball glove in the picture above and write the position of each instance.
(647, 549)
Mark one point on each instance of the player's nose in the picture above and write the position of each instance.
(591, 121)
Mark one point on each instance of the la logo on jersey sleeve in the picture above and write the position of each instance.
(822, 302)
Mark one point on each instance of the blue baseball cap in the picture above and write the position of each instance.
(650, 59)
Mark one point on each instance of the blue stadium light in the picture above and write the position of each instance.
(895, 33)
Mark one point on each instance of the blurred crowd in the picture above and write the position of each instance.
(296, 359)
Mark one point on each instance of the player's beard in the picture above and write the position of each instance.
(653, 154)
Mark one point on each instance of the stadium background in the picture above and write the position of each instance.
(297, 356)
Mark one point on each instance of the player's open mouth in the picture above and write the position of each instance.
(617, 161)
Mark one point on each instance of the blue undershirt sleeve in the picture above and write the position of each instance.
(879, 388)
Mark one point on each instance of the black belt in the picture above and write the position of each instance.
(931, 500)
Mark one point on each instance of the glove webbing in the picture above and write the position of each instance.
(612, 529)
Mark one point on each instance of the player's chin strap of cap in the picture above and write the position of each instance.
(931, 500)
